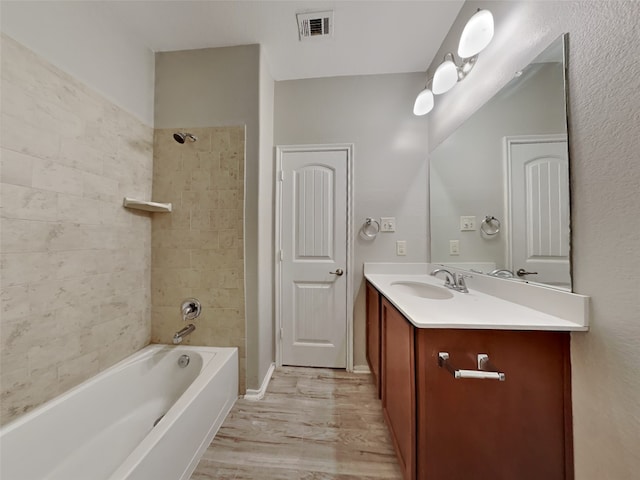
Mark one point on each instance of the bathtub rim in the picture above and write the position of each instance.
(136, 356)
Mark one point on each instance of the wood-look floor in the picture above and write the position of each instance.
(312, 424)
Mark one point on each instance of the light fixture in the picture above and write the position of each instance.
(424, 102)
(476, 35)
(446, 76)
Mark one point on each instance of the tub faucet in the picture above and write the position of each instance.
(183, 332)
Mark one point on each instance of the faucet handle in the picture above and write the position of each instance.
(461, 285)
(190, 309)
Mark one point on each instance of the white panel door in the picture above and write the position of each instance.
(539, 202)
(314, 258)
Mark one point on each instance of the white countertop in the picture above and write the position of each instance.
(473, 310)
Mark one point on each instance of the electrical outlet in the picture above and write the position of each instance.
(467, 223)
(401, 247)
(454, 247)
(387, 224)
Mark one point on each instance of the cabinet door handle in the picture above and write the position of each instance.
(486, 371)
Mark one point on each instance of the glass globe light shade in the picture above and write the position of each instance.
(445, 78)
(477, 34)
(424, 102)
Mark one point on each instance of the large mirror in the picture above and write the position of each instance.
(499, 185)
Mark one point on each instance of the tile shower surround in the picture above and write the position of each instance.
(75, 265)
(197, 249)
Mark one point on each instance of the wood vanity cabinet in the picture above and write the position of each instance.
(398, 385)
(487, 429)
(373, 334)
(459, 429)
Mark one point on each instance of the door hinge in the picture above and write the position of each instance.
(281, 255)
(281, 333)
(281, 175)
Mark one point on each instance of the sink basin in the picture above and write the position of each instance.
(423, 290)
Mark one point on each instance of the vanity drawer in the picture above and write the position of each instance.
(486, 428)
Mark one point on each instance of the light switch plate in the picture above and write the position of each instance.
(401, 247)
(454, 247)
(387, 224)
(467, 223)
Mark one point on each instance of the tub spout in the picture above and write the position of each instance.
(183, 332)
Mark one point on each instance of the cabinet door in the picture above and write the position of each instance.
(373, 334)
(398, 385)
(487, 429)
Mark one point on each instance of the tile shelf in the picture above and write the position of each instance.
(146, 206)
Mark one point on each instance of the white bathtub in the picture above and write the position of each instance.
(103, 429)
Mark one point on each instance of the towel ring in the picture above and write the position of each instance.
(490, 225)
(371, 228)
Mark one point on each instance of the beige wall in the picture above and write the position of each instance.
(218, 87)
(75, 263)
(604, 81)
(197, 249)
(373, 112)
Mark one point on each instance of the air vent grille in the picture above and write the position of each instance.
(315, 25)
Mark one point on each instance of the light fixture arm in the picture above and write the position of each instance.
(464, 67)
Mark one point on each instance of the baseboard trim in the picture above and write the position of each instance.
(361, 369)
(259, 394)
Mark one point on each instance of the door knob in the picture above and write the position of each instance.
(522, 272)
(338, 272)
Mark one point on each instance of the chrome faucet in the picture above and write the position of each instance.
(454, 281)
(183, 332)
(449, 280)
(190, 310)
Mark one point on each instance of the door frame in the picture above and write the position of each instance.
(280, 150)
(517, 140)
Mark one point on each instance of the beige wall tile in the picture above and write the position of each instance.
(15, 302)
(49, 175)
(100, 187)
(19, 136)
(78, 209)
(24, 268)
(28, 203)
(42, 113)
(15, 167)
(74, 153)
(195, 253)
(169, 257)
(75, 264)
(19, 235)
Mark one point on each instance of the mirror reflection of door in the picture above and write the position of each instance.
(538, 208)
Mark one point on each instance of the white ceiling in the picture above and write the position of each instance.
(370, 37)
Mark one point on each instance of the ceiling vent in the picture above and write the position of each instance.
(315, 25)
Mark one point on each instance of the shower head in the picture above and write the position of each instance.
(181, 137)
